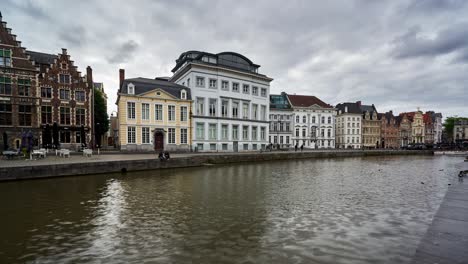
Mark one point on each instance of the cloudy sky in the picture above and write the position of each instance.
(398, 55)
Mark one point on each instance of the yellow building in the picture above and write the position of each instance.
(370, 126)
(154, 114)
(418, 128)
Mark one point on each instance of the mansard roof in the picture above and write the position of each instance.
(306, 101)
(353, 108)
(144, 85)
(226, 59)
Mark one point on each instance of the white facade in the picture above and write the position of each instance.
(281, 128)
(438, 129)
(348, 130)
(314, 127)
(230, 107)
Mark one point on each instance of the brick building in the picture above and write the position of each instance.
(19, 98)
(405, 131)
(65, 97)
(389, 130)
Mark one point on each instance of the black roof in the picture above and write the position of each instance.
(226, 59)
(42, 58)
(353, 108)
(144, 85)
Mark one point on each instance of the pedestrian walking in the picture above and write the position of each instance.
(295, 148)
(302, 147)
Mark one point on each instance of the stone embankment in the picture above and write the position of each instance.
(121, 164)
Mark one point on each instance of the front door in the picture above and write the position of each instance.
(158, 141)
(236, 146)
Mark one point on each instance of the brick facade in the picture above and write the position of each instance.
(389, 130)
(19, 100)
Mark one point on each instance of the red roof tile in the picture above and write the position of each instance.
(306, 101)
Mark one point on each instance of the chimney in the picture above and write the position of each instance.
(64, 51)
(121, 77)
(391, 112)
(89, 76)
(358, 103)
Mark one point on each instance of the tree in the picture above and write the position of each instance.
(450, 123)
(101, 119)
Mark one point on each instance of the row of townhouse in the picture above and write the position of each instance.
(220, 102)
(38, 90)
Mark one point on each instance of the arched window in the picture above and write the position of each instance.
(297, 119)
(304, 119)
(183, 94)
(131, 88)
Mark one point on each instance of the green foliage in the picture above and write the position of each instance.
(101, 119)
(450, 122)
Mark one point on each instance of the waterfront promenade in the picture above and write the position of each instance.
(54, 166)
(446, 241)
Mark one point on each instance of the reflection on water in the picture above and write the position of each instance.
(354, 210)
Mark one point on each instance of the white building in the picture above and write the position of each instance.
(314, 122)
(231, 100)
(281, 121)
(348, 126)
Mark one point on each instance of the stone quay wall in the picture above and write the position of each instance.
(195, 160)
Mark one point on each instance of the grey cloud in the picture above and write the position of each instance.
(414, 44)
(73, 36)
(124, 52)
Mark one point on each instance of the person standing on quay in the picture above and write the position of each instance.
(295, 147)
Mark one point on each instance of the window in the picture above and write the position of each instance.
(329, 132)
(130, 110)
(322, 132)
(323, 120)
(254, 133)
(200, 146)
(224, 146)
(80, 116)
(297, 132)
(5, 85)
(224, 108)
(183, 136)
(171, 135)
(213, 84)
(254, 90)
(224, 132)
(286, 127)
(64, 78)
(183, 95)
(297, 119)
(183, 114)
(329, 120)
(212, 132)
(5, 113)
(5, 58)
(235, 109)
(188, 82)
(304, 133)
(65, 115)
(200, 106)
(145, 111)
(287, 139)
(264, 92)
(24, 87)
(235, 132)
(80, 96)
(131, 135)
(145, 135)
(246, 146)
(245, 89)
(235, 87)
(225, 85)
(200, 130)
(245, 110)
(212, 107)
(64, 94)
(245, 132)
(158, 112)
(212, 146)
(254, 111)
(263, 112)
(200, 81)
(65, 136)
(313, 119)
(263, 133)
(304, 119)
(46, 114)
(78, 137)
(171, 112)
(131, 88)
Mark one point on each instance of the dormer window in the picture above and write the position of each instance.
(131, 88)
(183, 95)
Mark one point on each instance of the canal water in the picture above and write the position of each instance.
(350, 210)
